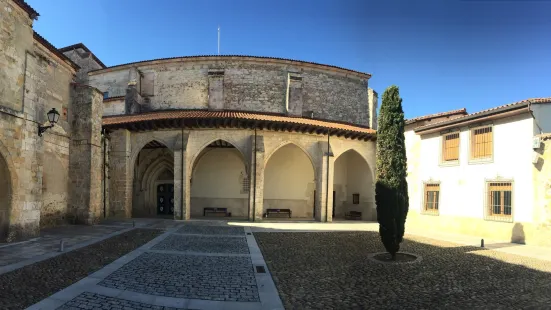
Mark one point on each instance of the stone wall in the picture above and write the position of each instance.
(16, 40)
(542, 191)
(86, 156)
(247, 85)
(85, 61)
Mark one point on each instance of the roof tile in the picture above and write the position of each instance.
(192, 114)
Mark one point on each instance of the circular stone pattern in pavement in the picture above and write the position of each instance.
(401, 258)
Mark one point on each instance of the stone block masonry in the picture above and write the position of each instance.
(86, 156)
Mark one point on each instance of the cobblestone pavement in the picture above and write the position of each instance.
(211, 230)
(193, 265)
(188, 276)
(204, 244)
(96, 301)
(330, 270)
(30, 284)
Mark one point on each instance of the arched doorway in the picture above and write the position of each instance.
(153, 186)
(219, 180)
(5, 198)
(352, 187)
(289, 182)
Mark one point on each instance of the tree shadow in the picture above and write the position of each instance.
(333, 272)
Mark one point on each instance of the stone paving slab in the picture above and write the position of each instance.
(49, 239)
(211, 230)
(210, 244)
(87, 300)
(183, 276)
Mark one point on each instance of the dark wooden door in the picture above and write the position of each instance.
(165, 199)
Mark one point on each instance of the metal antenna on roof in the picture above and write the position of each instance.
(218, 39)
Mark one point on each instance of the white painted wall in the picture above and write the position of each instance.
(463, 186)
(352, 175)
(217, 182)
(289, 181)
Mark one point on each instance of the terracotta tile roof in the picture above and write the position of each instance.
(54, 50)
(435, 115)
(203, 114)
(367, 75)
(81, 45)
(491, 111)
(25, 6)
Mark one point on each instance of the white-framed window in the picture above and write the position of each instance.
(482, 143)
(431, 198)
(499, 200)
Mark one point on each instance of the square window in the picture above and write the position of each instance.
(431, 203)
(499, 201)
(482, 143)
(356, 199)
(105, 95)
(450, 147)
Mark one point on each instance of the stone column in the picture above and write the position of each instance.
(120, 171)
(181, 178)
(324, 184)
(85, 157)
(256, 177)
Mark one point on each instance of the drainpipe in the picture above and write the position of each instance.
(254, 189)
(327, 181)
(533, 116)
(182, 176)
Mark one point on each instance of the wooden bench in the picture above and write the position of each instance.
(355, 215)
(278, 211)
(215, 211)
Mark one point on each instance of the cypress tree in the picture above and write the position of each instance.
(391, 190)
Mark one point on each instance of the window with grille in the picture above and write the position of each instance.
(245, 185)
(450, 147)
(432, 198)
(482, 143)
(499, 204)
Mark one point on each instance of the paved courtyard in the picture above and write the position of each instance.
(331, 270)
(165, 264)
(193, 265)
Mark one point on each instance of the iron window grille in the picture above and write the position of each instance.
(499, 201)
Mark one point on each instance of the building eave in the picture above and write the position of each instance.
(234, 119)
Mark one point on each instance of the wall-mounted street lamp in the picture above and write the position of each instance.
(53, 117)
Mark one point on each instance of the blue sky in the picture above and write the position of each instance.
(443, 54)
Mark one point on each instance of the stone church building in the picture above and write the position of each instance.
(178, 137)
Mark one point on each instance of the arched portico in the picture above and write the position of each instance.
(219, 179)
(153, 182)
(289, 181)
(353, 188)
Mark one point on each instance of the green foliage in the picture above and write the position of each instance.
(391, 190)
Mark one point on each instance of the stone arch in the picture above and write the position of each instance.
(371, 170)
(8, 186)
(219, 179)
(197, 156)
(304, 150)
(290, 181)
(140, 143)
(157, 158)
(353, 185)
